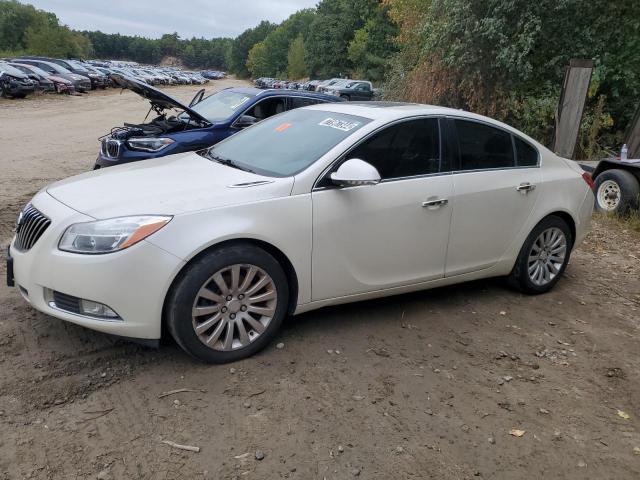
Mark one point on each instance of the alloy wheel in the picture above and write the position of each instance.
(234, 307)
(547, 255)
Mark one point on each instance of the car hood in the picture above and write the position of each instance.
(169, 185)
(56, 78)
(13, 72)
(155, 96)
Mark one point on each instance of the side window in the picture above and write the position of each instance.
(482, 146)
(406, 149)
(267, 108)
(297, 102)
(527, 155)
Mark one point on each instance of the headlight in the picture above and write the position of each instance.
(106, 236)
(149, 144)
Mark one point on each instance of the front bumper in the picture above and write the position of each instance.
(132, 282)
(82, 85)
(103, 161)
(17, 89)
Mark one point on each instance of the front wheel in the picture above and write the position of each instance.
(617, 191)
(229, 304)
(543, 257)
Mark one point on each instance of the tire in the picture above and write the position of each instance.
(223, 313)
(537, 269)
(345, 97)
(617, 191)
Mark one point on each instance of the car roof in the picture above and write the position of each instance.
(271, 92)
(390, 111)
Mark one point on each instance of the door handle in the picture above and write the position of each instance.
(435, 203)
(525, 187)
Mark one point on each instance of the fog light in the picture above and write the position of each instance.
(96, 309)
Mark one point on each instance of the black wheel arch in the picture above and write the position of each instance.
(568, 219)
(279, 255)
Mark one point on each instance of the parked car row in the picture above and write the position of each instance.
(213, 74)
(345, 88)
(155, 75)
(25, 75)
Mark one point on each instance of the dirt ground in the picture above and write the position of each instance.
(426, 385)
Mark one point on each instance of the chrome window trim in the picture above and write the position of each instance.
(388, 180)
(492, 169)
(340, 158)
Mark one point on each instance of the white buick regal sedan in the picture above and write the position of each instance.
(317, 206)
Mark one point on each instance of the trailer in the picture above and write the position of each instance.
(617, 185)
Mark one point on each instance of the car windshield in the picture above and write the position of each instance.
(58, 68)
(12, 70)
(286, 144)
(222, 105)
(78, 66)
(36, 70)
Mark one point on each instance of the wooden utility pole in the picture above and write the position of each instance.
(633, 137)
(577, 78)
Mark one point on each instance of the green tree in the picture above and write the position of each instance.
(297, 68)
(277, 43)
(244, 43)
(333, 30)
(507, 59)
(257, 62)
(372, 46)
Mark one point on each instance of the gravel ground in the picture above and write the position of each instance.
(471, 381)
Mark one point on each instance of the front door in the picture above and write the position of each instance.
(395, 233)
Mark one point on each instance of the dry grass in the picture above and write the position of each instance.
(627, 226)
(630, 222)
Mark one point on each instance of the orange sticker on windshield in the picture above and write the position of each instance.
(282, 127)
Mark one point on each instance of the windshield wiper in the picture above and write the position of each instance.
(228, 162)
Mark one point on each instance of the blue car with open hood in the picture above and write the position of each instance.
(204, 122)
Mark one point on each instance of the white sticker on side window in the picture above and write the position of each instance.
(339, 124)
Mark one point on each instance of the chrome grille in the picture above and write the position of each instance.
(31, 225)
(110, 147)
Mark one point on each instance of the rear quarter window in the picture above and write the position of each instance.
(526, 154)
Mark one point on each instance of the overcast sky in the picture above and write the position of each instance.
(152, 18)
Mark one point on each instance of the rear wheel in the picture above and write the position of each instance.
(543, 257)
(228, 304)
(617, 191)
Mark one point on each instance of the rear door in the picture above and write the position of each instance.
(494, 192)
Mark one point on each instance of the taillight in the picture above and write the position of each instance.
(586, 176)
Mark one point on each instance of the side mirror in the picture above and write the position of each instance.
(355, 172)
(245, 121)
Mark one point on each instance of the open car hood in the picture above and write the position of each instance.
(156, 97)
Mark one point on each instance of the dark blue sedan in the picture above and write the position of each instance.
(204, 122)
